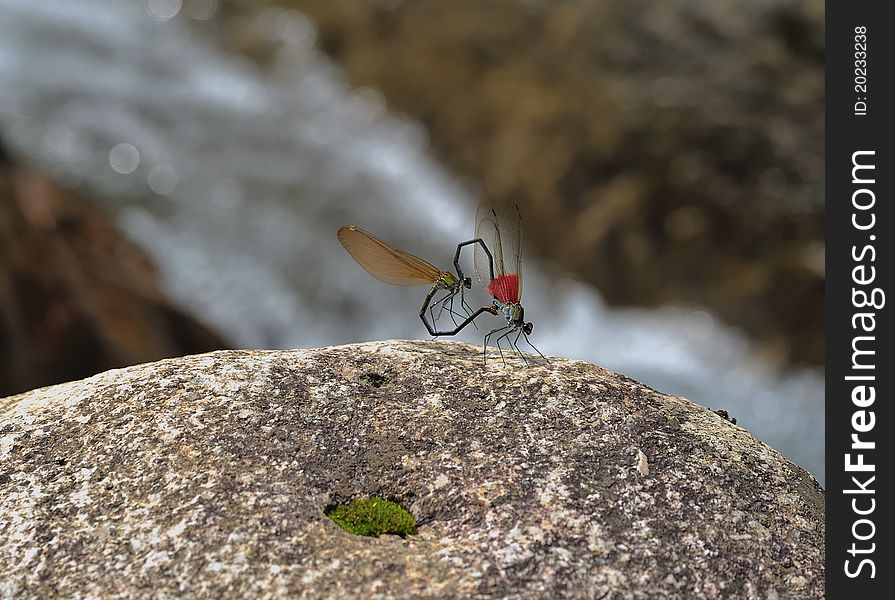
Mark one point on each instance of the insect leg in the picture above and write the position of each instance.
(466, 307)
(516, 346)
(533, 346)
(432, 306)
(485, 343)
(451, 306)
(506, 335)
(442, 302)
(463, 303)
(447, 303)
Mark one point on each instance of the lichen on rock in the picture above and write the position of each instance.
(211, 475)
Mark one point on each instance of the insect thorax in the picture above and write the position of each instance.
(447, 281)
(513, 312)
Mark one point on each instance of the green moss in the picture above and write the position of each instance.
(373, 516)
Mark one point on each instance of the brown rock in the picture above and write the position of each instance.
(209, 475)
(76, 297)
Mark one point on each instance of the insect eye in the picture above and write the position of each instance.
(467, 283)
(528, 328)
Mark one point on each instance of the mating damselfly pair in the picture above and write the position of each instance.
(498, 268)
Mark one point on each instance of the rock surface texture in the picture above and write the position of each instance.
(209, 476)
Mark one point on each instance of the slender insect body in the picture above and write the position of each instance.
(396, 267)
(447, 281)
(512, 311)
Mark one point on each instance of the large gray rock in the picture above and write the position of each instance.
(209, 475)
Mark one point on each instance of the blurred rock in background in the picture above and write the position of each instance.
(670, 152)
(76, 297)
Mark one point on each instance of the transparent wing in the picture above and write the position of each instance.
(385, 262)
(509, 222)
(486, 230)
(501, 230)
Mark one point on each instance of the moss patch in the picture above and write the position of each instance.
(373, 516)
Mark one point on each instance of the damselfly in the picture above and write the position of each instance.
(500, 272)
(397, 267)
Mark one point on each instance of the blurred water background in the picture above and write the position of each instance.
(234, 175)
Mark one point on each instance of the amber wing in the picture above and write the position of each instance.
(385, 262)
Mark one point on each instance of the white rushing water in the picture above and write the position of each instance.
(235, 179)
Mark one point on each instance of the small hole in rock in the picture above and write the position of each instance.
(373, 517)
(373, 379)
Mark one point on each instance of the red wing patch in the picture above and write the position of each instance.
(505, 288)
